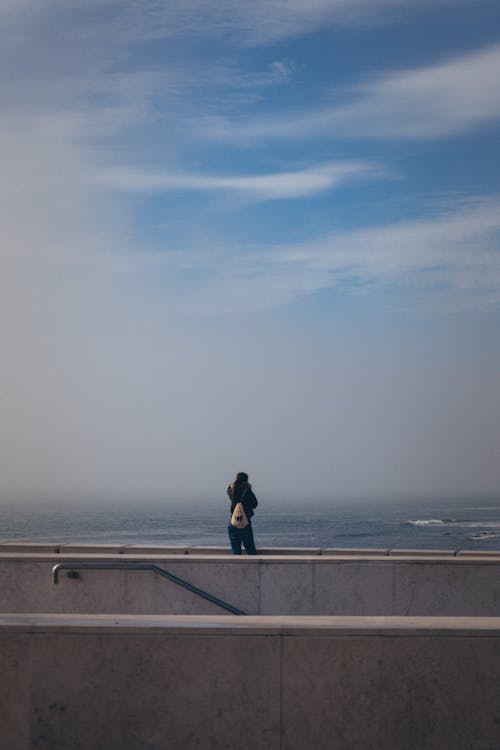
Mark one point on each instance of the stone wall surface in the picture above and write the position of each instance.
(266, 585)
(291, 683)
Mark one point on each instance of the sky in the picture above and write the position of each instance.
(258, 237)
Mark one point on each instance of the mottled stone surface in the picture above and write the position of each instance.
(422, 588)
(15, 691)
(400, 693)
(131, 691)
(26, 586)
(94, 591)
(103, 682)
(280, 584)
(286, 588)
(350, 587)
(236, 583)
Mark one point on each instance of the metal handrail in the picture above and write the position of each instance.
(144, 566)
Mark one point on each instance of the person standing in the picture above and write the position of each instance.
(240, 491)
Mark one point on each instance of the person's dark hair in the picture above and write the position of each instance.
(241, 476)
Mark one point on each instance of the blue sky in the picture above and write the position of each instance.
(250, 236)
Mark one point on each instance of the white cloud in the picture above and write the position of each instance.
(281, 71)
(439, 100)
(455, 254)
(457, 250)
(257, 22)
(293, 184)
(433, 101)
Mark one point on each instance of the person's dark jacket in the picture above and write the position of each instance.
(241, 492)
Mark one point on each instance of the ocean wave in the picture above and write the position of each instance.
(463, 524)
(431, 522)
(481, 535)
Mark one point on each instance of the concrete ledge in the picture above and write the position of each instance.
(207, 559)
(417, 553)
(282, 683)
(258, 625)
(478, 553)
(29, 547)
(151, 554)
(353, 552)
(9, 546)
(290, 551)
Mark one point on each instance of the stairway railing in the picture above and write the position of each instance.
(73, 566)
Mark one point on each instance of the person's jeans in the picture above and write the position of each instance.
(237, 536)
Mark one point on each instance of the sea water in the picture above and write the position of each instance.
(438, 524)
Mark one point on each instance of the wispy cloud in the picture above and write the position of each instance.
(456, 253)
(462, 243)
(82, 61)
(434, 101)
(291, 184)
(257, 22)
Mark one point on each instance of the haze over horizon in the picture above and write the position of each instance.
(249, 236)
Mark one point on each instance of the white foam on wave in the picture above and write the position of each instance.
(481, 535)
(455, 522)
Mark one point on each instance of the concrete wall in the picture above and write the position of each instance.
(161, 683)
(288, 585)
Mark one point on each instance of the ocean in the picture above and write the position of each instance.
(445, 524)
